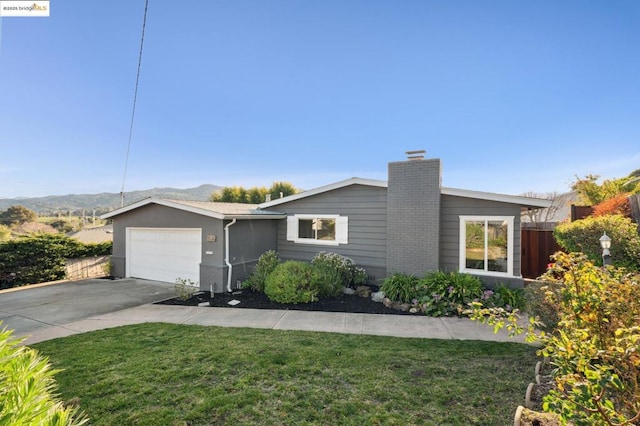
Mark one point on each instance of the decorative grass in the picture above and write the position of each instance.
(163, 374)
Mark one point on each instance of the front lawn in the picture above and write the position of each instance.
(164, 374)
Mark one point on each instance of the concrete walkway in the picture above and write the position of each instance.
(418, 326)
(47, 311)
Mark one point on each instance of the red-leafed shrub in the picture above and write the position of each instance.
(616, 205)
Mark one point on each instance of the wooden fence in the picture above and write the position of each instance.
(537, 246)
(89, 267)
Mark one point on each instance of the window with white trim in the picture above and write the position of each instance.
(486, 245)
(330, 230)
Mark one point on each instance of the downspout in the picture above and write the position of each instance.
(226, 255)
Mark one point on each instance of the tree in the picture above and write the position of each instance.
(253, 195)
(17, 215)
(282, 189)
(593, 193)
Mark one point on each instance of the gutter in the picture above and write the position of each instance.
(226, 250)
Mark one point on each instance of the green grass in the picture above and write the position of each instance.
(163, 374)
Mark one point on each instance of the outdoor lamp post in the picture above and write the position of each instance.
(605, 243)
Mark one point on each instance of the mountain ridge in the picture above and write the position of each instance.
(103, 202)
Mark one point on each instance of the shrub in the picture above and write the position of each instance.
(584, 236)
(594, 348)
(339, 270)
(267, 262)
(509, 298)
(41, 257)
(185, 288)
(28, 388)
(401, 288)
(444, 293)
(292, 282)
(618, 205)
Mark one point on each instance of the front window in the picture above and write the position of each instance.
(317, 229)
(486, 244)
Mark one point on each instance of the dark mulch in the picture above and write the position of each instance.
(254, 300)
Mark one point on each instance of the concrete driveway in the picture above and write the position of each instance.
(31, 309)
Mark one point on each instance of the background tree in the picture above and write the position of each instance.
(253, 195)
(17, 215)
(283, 189)
(593, 193)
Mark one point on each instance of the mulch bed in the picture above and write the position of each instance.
(254, 300)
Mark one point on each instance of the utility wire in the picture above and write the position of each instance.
(133, 109)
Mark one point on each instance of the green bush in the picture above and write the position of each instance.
(28, 388)
(506, 297)
(41, 257)
(339, 271)
(444, 293)
(292, 282)
(594, 347)
(584, 236)
(267, 262)
(401, 288)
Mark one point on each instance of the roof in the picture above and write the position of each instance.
(558, 211)
(326, 188)
(204, 208)
(529, 202)
(98, 234)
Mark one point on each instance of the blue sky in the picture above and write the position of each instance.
(513, 96)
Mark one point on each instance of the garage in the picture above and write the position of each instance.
(164, 254)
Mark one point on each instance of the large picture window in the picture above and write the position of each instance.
(318, 229)
(486, 245)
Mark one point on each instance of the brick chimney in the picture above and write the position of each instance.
(413, 215)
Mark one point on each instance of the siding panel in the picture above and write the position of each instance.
(452, 208)
(366, 208)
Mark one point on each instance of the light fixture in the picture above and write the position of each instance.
(605, 243)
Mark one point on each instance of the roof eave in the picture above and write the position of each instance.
(503, 198)
(322, 189)
(191, 209)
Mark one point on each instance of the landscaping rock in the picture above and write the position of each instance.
(387, 302)
(348, 290)
(404, 307)
(378, 296)
(414, 310)
(363, 291)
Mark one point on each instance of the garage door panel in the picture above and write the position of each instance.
(164, 254)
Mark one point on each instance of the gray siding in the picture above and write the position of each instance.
(366, 207)
(413, 216)
(452, 208)
(248, 239)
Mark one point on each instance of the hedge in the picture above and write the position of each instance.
(584, 236)
(41, 257)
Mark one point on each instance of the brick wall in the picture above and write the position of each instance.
(413, 216)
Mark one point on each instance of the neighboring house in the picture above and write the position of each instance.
(562, 209)
(99, 234)
(410, 224)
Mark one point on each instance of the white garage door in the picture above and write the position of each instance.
(164, 254)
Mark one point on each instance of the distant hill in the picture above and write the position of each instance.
(61, 204)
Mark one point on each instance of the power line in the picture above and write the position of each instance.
(133, 109)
